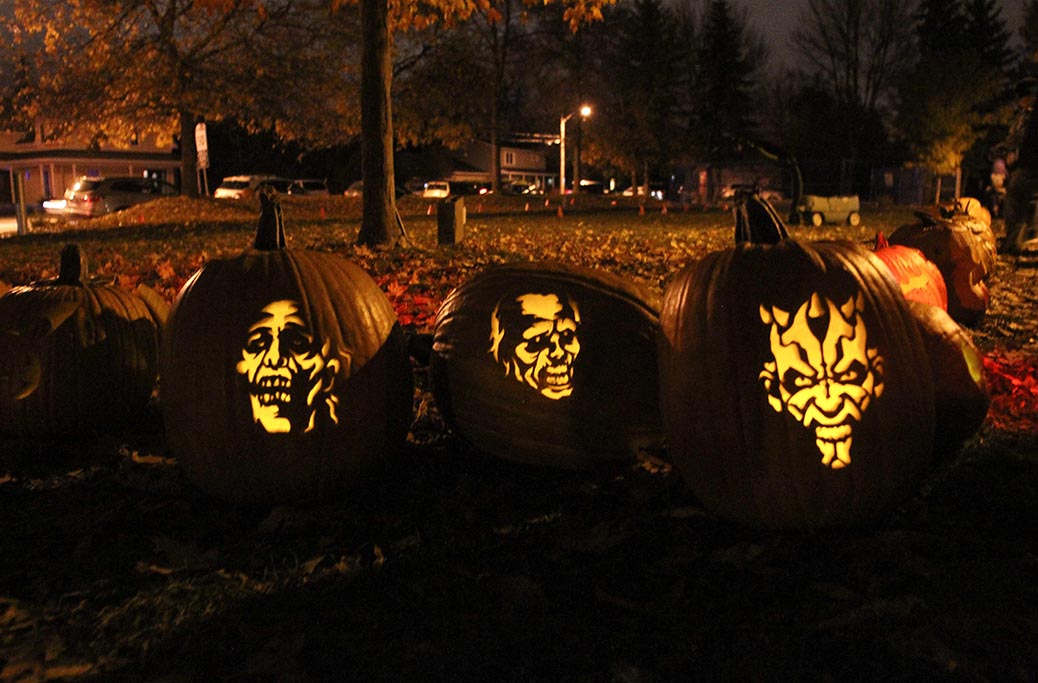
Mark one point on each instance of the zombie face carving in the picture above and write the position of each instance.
(289, 373)
(823, 372)
(534, 336)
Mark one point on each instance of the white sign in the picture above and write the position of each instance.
(202, 145)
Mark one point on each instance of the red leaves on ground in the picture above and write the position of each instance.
(413, 308)
(1013, 380)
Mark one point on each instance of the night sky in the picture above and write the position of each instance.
(776, 21)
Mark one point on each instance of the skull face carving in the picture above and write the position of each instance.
(289, 374)
(534, 336)
(823, 372)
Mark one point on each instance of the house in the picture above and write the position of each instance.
(45, 168)
(525, 163)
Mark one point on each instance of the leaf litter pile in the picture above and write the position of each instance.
(454, 566)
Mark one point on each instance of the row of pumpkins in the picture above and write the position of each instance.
(794, 384)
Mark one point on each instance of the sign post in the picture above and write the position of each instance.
(202, 147)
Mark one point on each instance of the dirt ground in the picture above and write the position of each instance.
(452, 566)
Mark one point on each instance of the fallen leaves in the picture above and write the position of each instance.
(1013, 381)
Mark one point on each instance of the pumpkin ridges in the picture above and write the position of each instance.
(72, 396)
(227, 453)
(713, 404)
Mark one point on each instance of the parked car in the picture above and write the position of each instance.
(656, 191)
(356, 189)
(308, 186)
(281, 185)
(241, 186)
(98, 196)
(437, 189)
(730, 193)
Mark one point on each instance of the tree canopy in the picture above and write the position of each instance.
(115, 72)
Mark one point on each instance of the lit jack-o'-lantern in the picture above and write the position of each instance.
(290, 376)
(543, 344)
(795, 387)
(964, 250)
(824, 373)
(285, 376)
(548, 364)
(919, 278)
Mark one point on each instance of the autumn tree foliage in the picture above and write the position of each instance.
(117, 71)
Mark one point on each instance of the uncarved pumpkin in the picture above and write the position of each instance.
(75, 356)
(549, 364)
(964, 250)
(960, 388)
(795, 389)
(919, 278)
(284, 373)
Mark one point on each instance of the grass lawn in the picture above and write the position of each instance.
(453, 566)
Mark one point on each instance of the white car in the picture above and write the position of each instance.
(241, 186)
(437, 189)
(99, 196)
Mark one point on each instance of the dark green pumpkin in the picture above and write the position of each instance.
(75, 355)
(284, 374)
(549, 364)
(795, 388)
(960, 388)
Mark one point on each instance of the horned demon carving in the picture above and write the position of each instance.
(823, 373)
(534, 336)
(289, 373)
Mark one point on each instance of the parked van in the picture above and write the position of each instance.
(437, 189)
(242, 186)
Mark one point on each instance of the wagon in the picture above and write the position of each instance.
(837, 209)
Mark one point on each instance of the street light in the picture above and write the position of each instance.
(585, 111)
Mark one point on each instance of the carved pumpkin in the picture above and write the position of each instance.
(964, 250)
(548, 364)
(75, 356)
(284, 373)
(794, 384)
(919, 278)
(960, 388)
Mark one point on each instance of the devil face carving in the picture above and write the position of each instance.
(290, 375)
(534, 336)
(823, 372)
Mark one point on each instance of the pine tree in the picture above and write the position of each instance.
(987, 33)
(941, 27)
(1029, 31)
(723, 83)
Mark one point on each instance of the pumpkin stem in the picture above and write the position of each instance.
(73, 265)
(270, 234)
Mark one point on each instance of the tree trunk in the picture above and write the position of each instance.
(188, 155)
(378, 220)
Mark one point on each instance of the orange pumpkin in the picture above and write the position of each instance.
(919, 278)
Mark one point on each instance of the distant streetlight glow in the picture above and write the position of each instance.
(585, 111)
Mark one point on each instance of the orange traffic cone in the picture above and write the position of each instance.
(664, 210)
(560, 211)
(527, 209)
(641, 209)
(429, 211)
